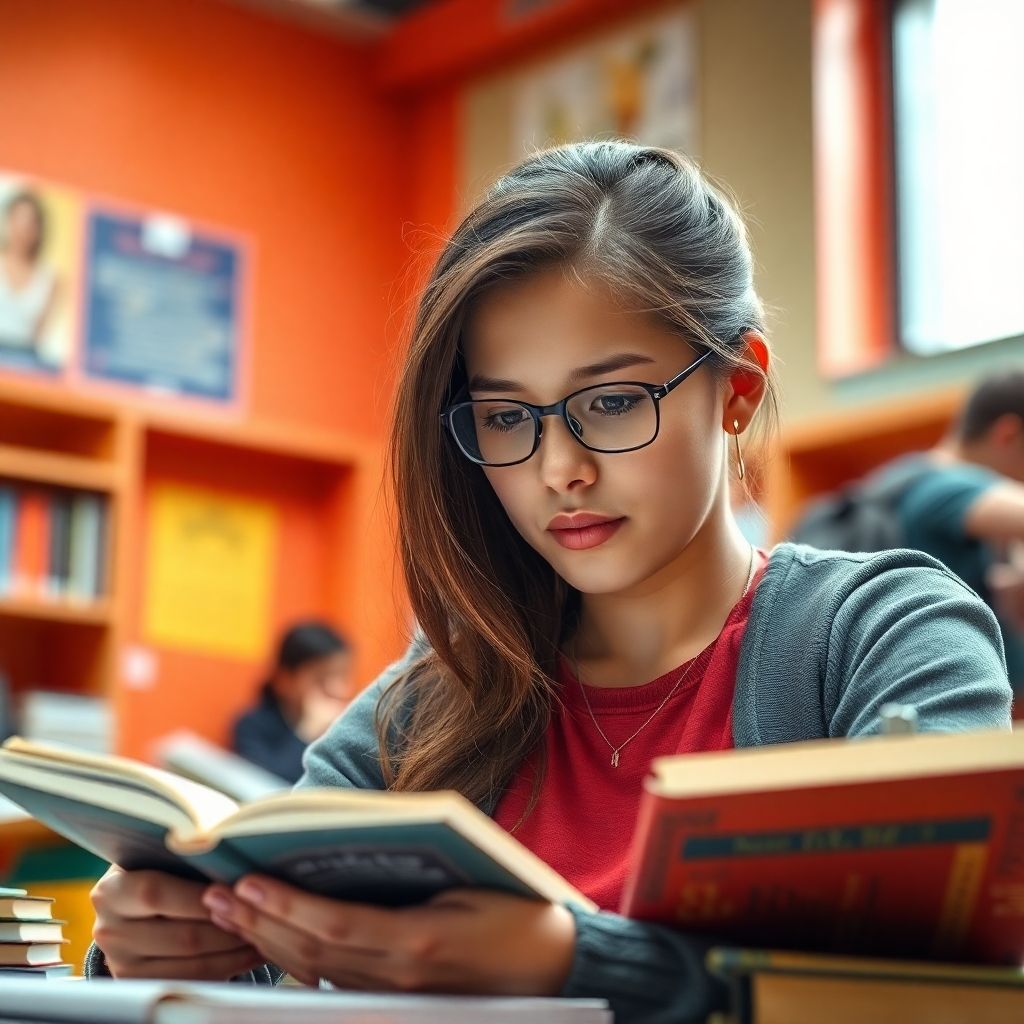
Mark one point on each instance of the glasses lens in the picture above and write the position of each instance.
(494, 432)
(614, 417)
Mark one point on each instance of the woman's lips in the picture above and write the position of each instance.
(590, 536)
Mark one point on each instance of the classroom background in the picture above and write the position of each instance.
(240, 198)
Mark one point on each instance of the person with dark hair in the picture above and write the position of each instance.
(967, 507)
(307, 689)
(28, 285)
(961, 502)
(586, 356)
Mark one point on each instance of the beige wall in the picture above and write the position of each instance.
(755, 137)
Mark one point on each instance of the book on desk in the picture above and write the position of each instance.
(781, 987)
(104, 1001)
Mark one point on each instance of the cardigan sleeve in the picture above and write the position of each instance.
(649, 974)
(915, 635)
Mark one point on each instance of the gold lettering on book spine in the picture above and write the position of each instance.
(965, 875)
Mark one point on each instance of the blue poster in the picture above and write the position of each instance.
(161, 307)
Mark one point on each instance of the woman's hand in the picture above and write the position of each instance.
(153, 925)
(468, 941)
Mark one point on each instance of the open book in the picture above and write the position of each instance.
(909, 846)
(372, 847)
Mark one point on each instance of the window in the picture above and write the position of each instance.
(958, 95)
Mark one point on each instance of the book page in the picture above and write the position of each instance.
(201, 807)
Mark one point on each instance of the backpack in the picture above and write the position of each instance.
(863, 515)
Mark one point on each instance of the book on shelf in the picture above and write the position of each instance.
(909, 846)
(60, 544)
(52, 542)
(31, 542)
(8, 507)
(378, 847)
(86, 547)
(781, 987)
(172, 1002)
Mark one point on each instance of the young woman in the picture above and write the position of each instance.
(587, 354)
(28, 285)
(307, 689)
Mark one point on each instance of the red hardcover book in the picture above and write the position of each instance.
(31, 542)
(909, 846)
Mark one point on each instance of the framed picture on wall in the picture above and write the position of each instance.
(638, 82)
(162, 307)
(40, 261)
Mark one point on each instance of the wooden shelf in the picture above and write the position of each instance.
(57, 469)
(88, 613)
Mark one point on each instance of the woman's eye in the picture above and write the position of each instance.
(616, 405)
(507, 419)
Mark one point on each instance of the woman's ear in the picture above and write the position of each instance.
(745, 388)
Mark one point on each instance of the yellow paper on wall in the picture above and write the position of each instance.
(210, 565)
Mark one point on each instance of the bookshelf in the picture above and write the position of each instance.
(54, 449)
(335, 559)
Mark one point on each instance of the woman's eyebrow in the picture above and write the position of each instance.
(500, 385)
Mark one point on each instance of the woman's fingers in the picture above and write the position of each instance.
(140, 894)
(219, 967)
(159, 937)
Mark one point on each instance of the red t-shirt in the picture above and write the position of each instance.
(582, 823)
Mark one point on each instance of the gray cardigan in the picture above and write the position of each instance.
(831, 638)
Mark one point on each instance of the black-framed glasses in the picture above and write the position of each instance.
(608, 418)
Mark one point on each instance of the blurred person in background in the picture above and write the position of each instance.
(309, 686)
(28, 285)
(961, 502)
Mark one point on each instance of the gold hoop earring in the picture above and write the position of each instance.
(741, 469)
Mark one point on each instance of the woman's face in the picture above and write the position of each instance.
(330, 675)
(22, 228)
(537, 334)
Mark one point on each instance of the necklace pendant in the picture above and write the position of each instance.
(615, 759)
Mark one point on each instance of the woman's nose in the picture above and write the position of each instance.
(562, 461)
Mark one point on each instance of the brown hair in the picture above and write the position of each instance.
(648, 224)
(25, 197)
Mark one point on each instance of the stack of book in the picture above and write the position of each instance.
(30, 938)
(51, 542)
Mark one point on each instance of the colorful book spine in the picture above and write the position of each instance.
(86, 546)
(31, 542)
(60, 544)
(8, 507)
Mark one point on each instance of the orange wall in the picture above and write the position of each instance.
(269, 130)
(248, 123)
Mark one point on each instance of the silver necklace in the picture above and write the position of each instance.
(675, 686)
